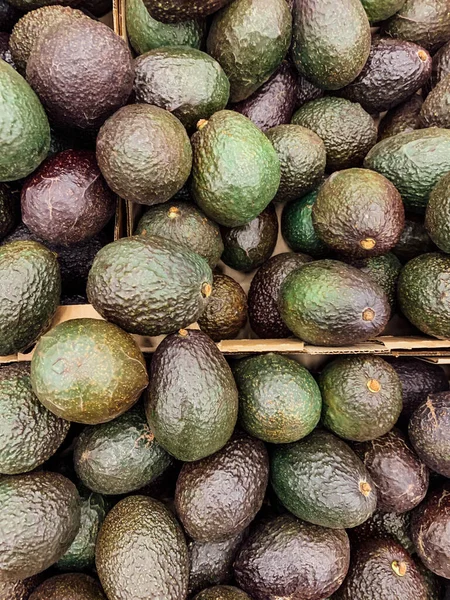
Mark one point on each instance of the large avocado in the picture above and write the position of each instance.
(192, 400)
(182, 10)
(403, 118)
(8, 210)
(143, 529)
(379, 10)
(385, 270)
(73, 586)
(435, 111)
(297, 227)
(438, 213)
(149, 285)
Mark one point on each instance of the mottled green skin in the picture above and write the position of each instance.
(435, 110)
(236, 171)
(385, 270)
(350, 409)
(146, 33)
(29, 294)
(29, 433)
(250, 38)
(149, 286)
(192, 399)
(88, 371)
(222, 592)
(72, 586)
(331, 41)
(121, 456)
(414, 162)
(297, 227)
(40, 519)
(379, 10)
(437, 215)
(279, 401)
(403, 118)
(318, 479)
(347, 130)
(302, 157)
(141, 552)
(325, 303)
(424, 293)
(182, 10)
(8, 210)
(385, 524)
(24, 128)
(413, 241)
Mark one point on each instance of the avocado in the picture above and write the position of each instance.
(414, 162)
(144, 529)
(346, 129)
(381, 569)
(185, 81)
(88, 371)
(438, 212)
(429, 529)
(403, 118)
(264, 316)
(435, 111)
(7, 210)
(25, 132)
(379, 10)
(441, 66)
(149, 286)
(185, 224)
(429, 432)
(362, 397)
(297, 227)
(422, 293)
(236, 171)
(219, 496)
(226, 313)
(327, 302)
(173, 11)
(121, 456)
(385, 525)
(5, 52)
(279, 400)
(146, 33)
(250, 38)
(414, 240)
(29, 433)
(72, 586)
(249, 246)
(19, 590)
(222, 592)
(195, 418)
(311, 561)
(321, 480)
(358, 212)
(331, 41)
(394, 70)
(306, 91)
(385, 270)
(9, 15)
(30, 292)
(302, 157)
(40, 518)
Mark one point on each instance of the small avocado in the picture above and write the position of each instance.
(222, 592)
(297, 227)
(435, 112)
(71, 586)
(346, 129)
(311, 561)
(437, 214)
(385, 270)
(264, 316)
(327, 302)
(194, 421)
(321, 480)
(249, 246)
(40, 519)
(385, 525)
(226, 313)
(268, 24)
(362, 397)
(236, 171)
(8, 210)
(403, 118)
(359, 213)
(142, 528)
(173, 11)
(279, 400)
(414, 240)
(9, 15)
(88, 371)
(379, 10)
(19, 590)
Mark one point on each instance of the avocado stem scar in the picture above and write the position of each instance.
(368, 314)
(206, 290)
(399, 568)
(374, 385)
(368, 243)
(183, 332)
(202, 123)
(173, 212)
(365, 488)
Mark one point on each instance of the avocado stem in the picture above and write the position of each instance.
(206, 290)
(173, 212)
(368, 314)
(374, 385)
(368, 243)
(365, 488)
(399, 568)
(202, 123)
(183, 332)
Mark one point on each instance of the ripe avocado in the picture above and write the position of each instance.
(331, 41)
(437, 214)
(169, 285)
(358, 212)
(385, 270)
(297, 227)
(327, 302)
(306, 91)
(311, 561)
(385, 525)
(236, 171)
(40, 519)
(264, 316)
(321, 480)
(362, 397)
(414, 240)
(25, 132)
(72, 586)
(182, 10)
(403, 118)
(379, 10)
(19, 590)
(146, 530)
(346, 129)
(435, 111)
(414, 162)
(279, 401)
(88, 371)
(222, 592)
(249, 246)
(250, 38)
(191, 422)
(7, 210)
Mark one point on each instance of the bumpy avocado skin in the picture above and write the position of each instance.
(173, 11)
(435, 109)
(71, 586)
(385, 525)
(413, 241)
(437, 214)
(403, 118)
(441, 66)
(385, 270)
(222, 592)
(379, 10)
(297, 227)
(19, 590)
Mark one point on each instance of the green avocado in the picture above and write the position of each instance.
(385, 270)
(8, 210)
(437, 215)
(435, 111)
(222, 592)
(403, 118)
(173, 11)
(414, 240)
(379, 10)
(72, 586)
(297, 227)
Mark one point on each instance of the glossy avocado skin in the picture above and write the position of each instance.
(385, 270)
(379, 10)
(297, 227)
(413, 241)
(344, 500)
(311, 561)
(403, 118)
(222, 592)
(71, 586)
(173, 11)
(437, 214)
(385, 525)
(8, 210)
(434, 111)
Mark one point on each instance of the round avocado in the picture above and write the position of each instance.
(437, 216)
(379, 10)
(385, 525)
(413, 241)
(73, 586)
(173, 11)
(297, 227)
(8, 210)
(385, 270)
(222, 592)
(401, 119)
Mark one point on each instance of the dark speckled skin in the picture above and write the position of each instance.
(435, 112)
(382, 525)
(219, 496)
(401, 119)
(19, 590)
(413, 241)
(182, 10)
(72, 586)
(288, 558)
(441, 66)
(141, 552)
(222, 592)
(67, 201)
(40, 518)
